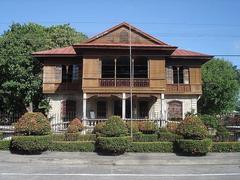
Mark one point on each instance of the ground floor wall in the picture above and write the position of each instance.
(158, 106)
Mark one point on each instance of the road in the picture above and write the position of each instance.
(138, 166)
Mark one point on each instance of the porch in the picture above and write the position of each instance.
(102, 106)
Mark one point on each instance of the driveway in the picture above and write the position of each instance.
(84, 166)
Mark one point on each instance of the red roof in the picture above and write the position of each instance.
(184, 53)
(70, 50)
(58, 51)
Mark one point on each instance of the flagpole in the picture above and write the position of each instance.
(131, 77)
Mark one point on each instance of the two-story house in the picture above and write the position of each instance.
(91, 80)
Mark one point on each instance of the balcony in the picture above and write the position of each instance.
(105, 82)
(178, 88)
(61, 87)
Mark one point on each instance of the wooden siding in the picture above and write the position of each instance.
(157, 74)
(90, 78)
(91, 72)
(115, 37)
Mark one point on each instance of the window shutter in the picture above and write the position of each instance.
(58, 74)
(169, 75)
(186, 75)
(48, 74)
(75, 73)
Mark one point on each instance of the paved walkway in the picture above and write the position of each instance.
(77, 165)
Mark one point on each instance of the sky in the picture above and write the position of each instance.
(207, 26)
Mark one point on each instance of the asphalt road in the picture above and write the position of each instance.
(86, 166)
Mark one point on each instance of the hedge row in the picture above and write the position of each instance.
(89, 146)
(1, 135)
(73, 137)
(162, 136)
(4, 145)
(30, 144)
(225, 147)
(72, 146)
(163, 147)
(194, 147)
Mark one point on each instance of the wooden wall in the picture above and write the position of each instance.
(91, 72)
(157, 74)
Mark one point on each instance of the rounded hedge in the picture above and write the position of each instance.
(34, 123)
(77, 123)
(98, 129)
(114, 127)
(194, 147)
(148, 127)
(116, 145)
(192, 128)
(30, 144)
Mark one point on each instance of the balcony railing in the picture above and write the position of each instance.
(61, 86)
(178, 88)
(105, 82)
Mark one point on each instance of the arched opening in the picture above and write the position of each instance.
(175, 111)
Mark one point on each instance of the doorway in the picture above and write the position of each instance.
(118, 108)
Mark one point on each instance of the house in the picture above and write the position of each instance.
(91, 80)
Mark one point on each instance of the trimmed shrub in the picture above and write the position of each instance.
(140, 137)
(114, 127)
(1, 135)
(194, 147)
(172, 126)
(29, 144)
(72, 146)
(77, 123)
(71, 136)
(58, 137)
(98, 129)
(164, 147)
(209, 121)
(113, 144)
(148, 127)
(222, 133)
(72, 129)
(225, 147)
(192, 128)
(33, 124)
(4, 145)
(135, 128)
(168, 136)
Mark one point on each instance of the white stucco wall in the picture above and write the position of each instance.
(189, 103)
(56, 105)
(159, 108)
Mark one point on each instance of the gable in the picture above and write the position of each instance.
(120, 35)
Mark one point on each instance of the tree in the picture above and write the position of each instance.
(220, 87)
(20, 81)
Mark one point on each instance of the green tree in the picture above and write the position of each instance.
(20, 81)
(220, 87)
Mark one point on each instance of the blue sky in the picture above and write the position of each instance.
(208, 26)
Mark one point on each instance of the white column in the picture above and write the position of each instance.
(163, 111)
(84, 107)
(123, 105)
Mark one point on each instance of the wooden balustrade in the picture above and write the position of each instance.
(181, 88)
(59, 87)
(104, 82)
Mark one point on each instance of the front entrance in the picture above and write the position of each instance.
(117, 111)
